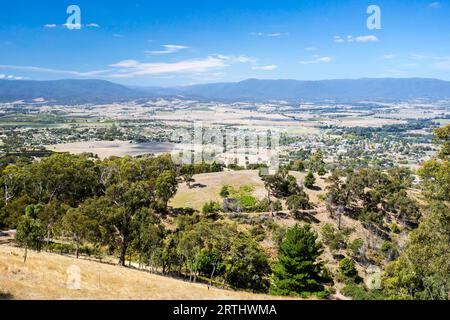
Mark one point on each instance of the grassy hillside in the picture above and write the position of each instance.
(44, 276)
(207, 187)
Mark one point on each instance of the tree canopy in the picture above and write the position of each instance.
(298, 270)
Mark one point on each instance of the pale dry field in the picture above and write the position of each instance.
(367, 122)
(236, 118)
(44, 276)
(106, 149)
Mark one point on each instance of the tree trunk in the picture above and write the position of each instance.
(6, 194)
(190, 270)
(48, 239)
(212, 275)
(25, 254)
(123, 252)
(77, 248)
(180, 265)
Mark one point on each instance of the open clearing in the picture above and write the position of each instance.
(207, 187)
(44, 276)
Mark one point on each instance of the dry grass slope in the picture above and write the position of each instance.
(44, 276)
(211, 184)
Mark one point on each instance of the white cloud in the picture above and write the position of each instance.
(131, 68)
(56, 71)
(72, 26)
(10, 77)
(437, 62)
(236, 59)
(273, 34)
(434, 5)
(389, 56)
(370, 38)
(242, 59)
(265, 68)
(168, 48)
(416, 56)
(318, 60)
(126, 64)
(350, 38)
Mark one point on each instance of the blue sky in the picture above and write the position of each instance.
(165, 43)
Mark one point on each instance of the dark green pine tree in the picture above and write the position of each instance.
(298, 271)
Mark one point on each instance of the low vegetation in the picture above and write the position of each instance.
(274, 243)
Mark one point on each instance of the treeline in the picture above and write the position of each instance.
(367, 132)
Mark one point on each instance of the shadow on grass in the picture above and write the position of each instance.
(307, 217)
(6, 296)
(315, 188)
(198, 186)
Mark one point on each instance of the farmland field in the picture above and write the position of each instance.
(106, 149)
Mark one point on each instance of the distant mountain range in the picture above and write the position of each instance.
(100, 91)
(65, 91)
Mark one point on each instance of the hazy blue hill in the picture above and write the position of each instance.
(341, 90)
(99, 91)
(65, 91)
